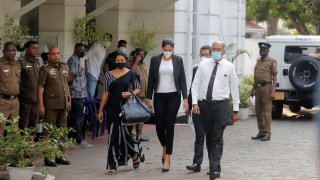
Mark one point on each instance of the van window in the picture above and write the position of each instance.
(293, 52)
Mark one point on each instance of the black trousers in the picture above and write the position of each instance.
(76, 118)
(166, 106)
(28, 115)
(199, 142)
(215, 117)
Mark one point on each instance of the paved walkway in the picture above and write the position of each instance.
(291, 154)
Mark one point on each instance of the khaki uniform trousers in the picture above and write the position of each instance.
(56, 117)
(10, 108)
(263, 104)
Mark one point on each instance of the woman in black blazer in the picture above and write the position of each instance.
(167, 81)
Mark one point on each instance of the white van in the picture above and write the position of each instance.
(298, 59)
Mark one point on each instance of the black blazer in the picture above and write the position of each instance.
(178, 73)
(194, 70)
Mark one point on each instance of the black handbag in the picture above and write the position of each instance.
(134, 111)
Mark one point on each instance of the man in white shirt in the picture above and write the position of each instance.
(95, 57)
(214, 81)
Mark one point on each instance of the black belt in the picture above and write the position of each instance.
(215, 101)
(263, 84)
(7, 96)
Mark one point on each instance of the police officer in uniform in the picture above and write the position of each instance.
(265, 80)
(28, 97)
(9, 83)
(54, 96)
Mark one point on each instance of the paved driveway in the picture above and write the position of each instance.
(293, 153)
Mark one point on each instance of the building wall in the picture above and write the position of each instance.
(251, 45)
(191, 23)
(56, 23)
(122, 19)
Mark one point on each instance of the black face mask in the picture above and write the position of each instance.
(120, 65)
(80, 54)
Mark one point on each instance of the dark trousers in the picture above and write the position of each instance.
(76, 118)
(199, 142)
(166, 106)
(28, 115)
(215, 117)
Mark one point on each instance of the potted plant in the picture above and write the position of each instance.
(142, 39)
(88, 32)
(245, 88)
(15, 33)
(18, 148)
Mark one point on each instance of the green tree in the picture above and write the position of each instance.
(302, 15)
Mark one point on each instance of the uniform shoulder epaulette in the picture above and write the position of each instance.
(271, 59)
(20, 59)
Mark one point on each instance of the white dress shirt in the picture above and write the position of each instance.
(226, 81)
(95, 57)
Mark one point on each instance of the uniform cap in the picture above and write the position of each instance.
(264, 45)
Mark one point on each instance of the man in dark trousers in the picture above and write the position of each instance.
(78, 92)
(28, 97)
(54, 96)
(265, 80)
(109, 63)
(205, 52)
(215, 79)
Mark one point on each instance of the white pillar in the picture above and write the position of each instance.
(56, 23)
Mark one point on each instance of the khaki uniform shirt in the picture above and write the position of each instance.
(29, 80)
(143, 77)
(54, 79)
(265, 70)
(9, 77)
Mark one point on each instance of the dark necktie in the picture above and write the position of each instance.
(211, 82)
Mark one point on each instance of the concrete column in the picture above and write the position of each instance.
(56, 24)
(129, 15)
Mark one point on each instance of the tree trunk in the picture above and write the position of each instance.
(300, 27)
(305, 29)
(272, 26)
(318, 27)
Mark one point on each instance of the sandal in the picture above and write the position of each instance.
(136, 161)
(112, 172)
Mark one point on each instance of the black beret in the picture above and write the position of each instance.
(264, 45)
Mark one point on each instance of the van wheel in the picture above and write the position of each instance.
(277, 108)
(303, 73)
(294, 108)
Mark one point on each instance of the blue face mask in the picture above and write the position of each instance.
(216, 56)
(264, 54)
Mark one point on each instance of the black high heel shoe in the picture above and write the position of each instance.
(164, 169)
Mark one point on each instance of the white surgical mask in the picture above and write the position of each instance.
(167, 54)
(123, 50)
(216, 56)
(106, 44)
(203, 58)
